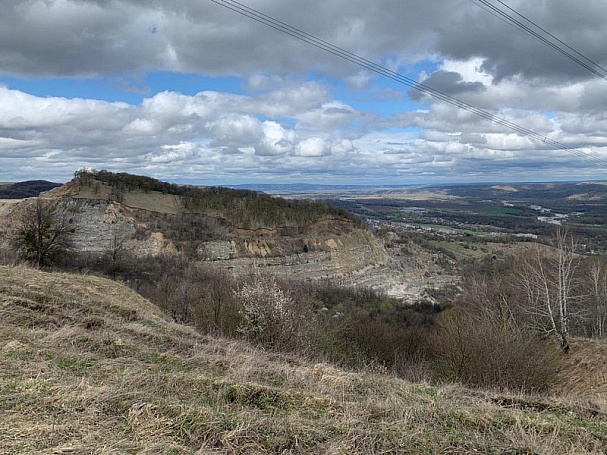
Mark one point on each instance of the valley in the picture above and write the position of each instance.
(176, 319)
(331, 246)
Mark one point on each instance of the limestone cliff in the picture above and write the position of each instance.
(151, 223)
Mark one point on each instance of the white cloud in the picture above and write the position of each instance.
(139, 126)
(235, 130)
(359, 80)
(262, 82)
(470, 70)
(275, 140)
(184, 151)
(331, 115)
(219, 136)
(313, 146)
(289, 120)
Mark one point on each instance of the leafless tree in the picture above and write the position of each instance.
(116, 253)
(597, 276)
(218, 297)
(547, 278)
(45, 229)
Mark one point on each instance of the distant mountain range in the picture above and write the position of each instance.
(305, 188)
(30, 188)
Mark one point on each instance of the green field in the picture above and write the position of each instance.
(501, 211)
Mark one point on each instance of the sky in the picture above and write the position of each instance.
(189, 91)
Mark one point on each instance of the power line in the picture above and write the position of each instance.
(564, 48)
(379, 69)
(554, 37)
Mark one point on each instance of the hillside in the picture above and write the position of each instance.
(30, 188)
(88, 366)
(209, 223)
(232, 229)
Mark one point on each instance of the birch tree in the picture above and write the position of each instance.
(597, 276)
(547, 278)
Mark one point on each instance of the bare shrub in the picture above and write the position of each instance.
(395, 347)
(116, 256)
(273, 317)
(474, 349)
(8, 256)
(216, 309)
(44, 233)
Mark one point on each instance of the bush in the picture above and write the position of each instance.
(8, 256)
(272, 317)
(402, 350)
(45, 229)
(487, 352)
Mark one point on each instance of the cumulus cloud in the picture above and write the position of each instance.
(275, 140)
(235, 130)
(287, 119)
(328, 116)
(80, 38)
(359, 80)
(450, 83)
(179, 153)
(313, 146)
(507, 52)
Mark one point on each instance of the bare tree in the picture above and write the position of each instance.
(116, 254)
(548, 280)
(597, 275)
(218, 289)
(45, 229)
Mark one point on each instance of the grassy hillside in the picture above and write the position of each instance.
(88, 366)
(242, 208)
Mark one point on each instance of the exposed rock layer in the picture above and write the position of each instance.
(329, 248)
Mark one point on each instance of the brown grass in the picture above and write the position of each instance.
(585, 374)
(88, 366)
(152, 201)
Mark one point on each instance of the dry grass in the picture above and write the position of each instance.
(87, 366)
(585, 373)
(152, 201)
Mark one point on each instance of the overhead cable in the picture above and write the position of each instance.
(554, 43)
(386, 72)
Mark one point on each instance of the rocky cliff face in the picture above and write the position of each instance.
(8, 209)
(348, 256)
(329, 248)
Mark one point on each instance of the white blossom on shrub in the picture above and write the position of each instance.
(270, 315)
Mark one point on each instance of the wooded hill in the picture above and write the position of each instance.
(243, 208)
(30, 188)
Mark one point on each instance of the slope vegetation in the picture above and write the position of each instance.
(88, 366)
